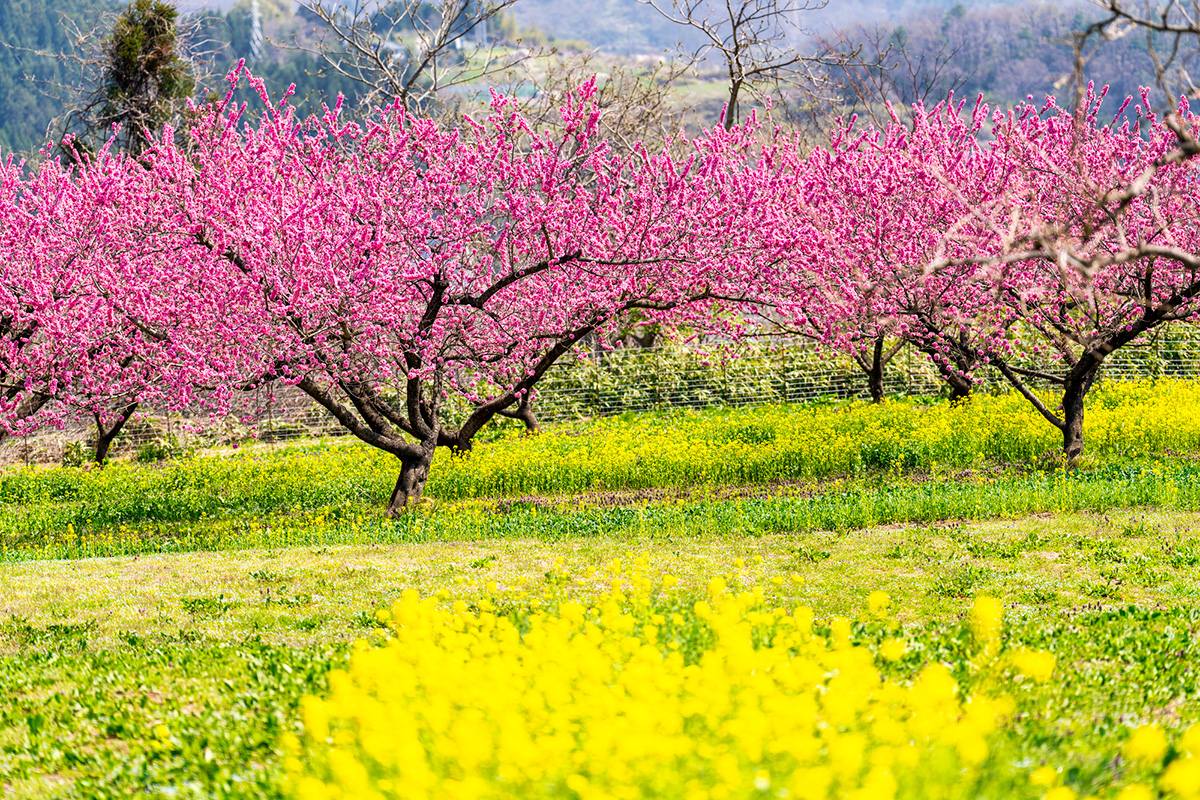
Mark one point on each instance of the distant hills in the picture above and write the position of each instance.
(1004, 49)
(622, 26)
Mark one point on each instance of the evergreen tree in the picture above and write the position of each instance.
(33, 36)
(146, 78)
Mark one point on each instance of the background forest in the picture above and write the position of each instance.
(1004, 50)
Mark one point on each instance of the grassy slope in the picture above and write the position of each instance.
(217, 647)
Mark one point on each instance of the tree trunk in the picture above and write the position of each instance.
(1079, 381)
(1072, 429)
(524, 412)
(414, 471)
(875, 374)
(106, 436)
(731, 106)
(875, 385)
(872, 364)
(954, 373)
(526, 415)
(960, 386)
(953, 368)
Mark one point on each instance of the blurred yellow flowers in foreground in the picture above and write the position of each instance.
(646, 690)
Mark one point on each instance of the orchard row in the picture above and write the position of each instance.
(418, 280)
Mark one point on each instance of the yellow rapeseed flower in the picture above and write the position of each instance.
(879, 603)
(1136, 791)
(1037, 665)
(893, 649)
(605, 699)
(1182, 777)
(1189, 742)
(1146, 744)
(987, 622)
(1060, 793)
(1044, 776)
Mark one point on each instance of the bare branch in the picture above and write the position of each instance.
(756, 43)
(1172, 33)
(415, 51)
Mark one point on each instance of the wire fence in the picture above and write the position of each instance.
(643, 380)
(605, 384)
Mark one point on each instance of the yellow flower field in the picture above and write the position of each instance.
(647, 691)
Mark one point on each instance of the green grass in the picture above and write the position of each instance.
(658, 450)
(770, 469)
(232, 583)
(63, 531)
(218, 647)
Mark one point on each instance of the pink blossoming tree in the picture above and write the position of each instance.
(872, 211)
(417, 281)
(1094, 242)
(65, 348)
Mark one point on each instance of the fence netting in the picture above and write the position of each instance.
(612, 382)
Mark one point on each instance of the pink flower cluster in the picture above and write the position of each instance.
(396, 268)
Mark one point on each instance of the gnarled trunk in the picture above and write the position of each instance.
(1075, 385)
(410, 484)
(960, 386)
(954, 360)
(526, 415)
(106, 436)
(954, 370)
(523, 412)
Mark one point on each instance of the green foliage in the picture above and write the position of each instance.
(188, 694)
(146, 75)
(771, 469)
(961, 581)
(76, 454)
(208, 607)
(199, 714)
(161, 448)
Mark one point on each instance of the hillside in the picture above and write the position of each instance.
(29, 30)
(1004, 50)
(623, 26)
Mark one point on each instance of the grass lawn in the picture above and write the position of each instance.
(182, 670)
(161, 624)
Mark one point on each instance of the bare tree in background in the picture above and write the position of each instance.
(635, 99)
(757, 42)
(414, 50)
(1172, 33)
(893, 70)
